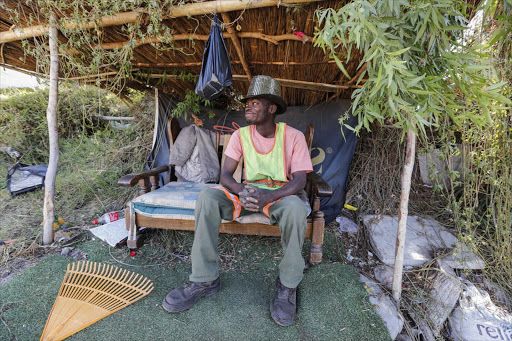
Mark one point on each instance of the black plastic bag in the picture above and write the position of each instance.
(216, 67)
(22, 178)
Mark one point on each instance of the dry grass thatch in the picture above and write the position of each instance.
(288, 59)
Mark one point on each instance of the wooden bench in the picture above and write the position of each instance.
(148, 181)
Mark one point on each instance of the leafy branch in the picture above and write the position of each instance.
(80, 49)
(418, 67)
(190, 105)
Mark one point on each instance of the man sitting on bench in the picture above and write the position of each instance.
(276, 160)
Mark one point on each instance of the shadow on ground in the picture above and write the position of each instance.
(333, 305)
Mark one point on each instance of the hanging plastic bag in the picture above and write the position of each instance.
(216, 68)
(22, 178)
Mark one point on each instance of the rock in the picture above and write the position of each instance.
(443, 297)
(500, 296)
(11, 152)
(433, 162)
(384, 274)
(423, 238)
(462, 258)
(347, 225)
(384, 306)
(420, 321)
(477, 318)
(438, 304)
(78, 254)
(65, 251)
(403, 337)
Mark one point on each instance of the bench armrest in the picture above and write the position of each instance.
(319, 187)
(131, 180)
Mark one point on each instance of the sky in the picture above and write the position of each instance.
(10, 78)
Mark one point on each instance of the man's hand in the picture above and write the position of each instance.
(254, 198)
(247, 201)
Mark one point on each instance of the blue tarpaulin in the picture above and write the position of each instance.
(332, 151)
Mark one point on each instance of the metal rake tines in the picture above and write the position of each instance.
(89, 292)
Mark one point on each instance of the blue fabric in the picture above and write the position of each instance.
(153, 210)
(332, 150)
(175, 200)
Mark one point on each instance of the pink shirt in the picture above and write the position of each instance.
(295, 149)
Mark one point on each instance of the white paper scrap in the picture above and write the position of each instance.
(112, 233)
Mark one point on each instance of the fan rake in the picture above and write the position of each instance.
(91, 291)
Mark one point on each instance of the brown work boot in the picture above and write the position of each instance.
(186, 296)
(284, 304)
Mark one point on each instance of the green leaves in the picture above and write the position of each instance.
(190, 105)
(418, 70)
(340, 65)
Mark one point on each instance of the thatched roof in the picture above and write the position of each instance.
(262, 37)
(267, 45)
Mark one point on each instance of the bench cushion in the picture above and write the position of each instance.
(177, 200)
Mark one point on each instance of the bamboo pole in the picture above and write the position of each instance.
(155, 126)
(110, 73)
(223, 6)
(40, 30)
(173, 65)
(115, 118)
(187, 36)
(190, 9)
(51, 116)
(402, 214)
(238, 46)
(27, 72)
(290, 83)
(152, 40)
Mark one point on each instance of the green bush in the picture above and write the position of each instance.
(23, 117)
(92, 156)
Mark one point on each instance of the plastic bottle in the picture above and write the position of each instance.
(109, 217)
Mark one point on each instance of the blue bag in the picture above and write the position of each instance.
(216, 67)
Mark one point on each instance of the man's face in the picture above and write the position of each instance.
(259, 110)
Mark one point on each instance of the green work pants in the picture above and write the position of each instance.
(213, 205)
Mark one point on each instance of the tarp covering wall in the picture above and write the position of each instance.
(331, 155)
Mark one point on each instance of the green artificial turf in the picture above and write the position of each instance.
(333, 304)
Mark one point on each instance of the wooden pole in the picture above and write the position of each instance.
(51, 116)
(40, 30)
(190, 9)
(402, 214)
(354, 79)
(223, 6)
(187, 36)
(155, 125)
(110, 73)
(173, 65)
(290, 83)
(238, 46)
